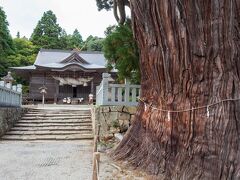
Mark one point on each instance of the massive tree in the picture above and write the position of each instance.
(190, 62)
(6, 44)
(47, 32)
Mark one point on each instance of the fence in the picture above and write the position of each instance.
(116, 94)
(10, 95)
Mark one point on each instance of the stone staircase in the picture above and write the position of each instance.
(56, 124)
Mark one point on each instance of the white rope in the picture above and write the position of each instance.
(169, 116)
(185, 110)
(208, 112)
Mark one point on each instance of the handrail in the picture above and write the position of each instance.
(117, 94)
(10, 95)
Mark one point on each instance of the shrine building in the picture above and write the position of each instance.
(65, 74)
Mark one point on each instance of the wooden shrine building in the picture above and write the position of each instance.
(65, 74)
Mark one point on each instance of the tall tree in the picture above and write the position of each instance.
(64, 40)
(121, 52)
(6, 44)
(76, 40)
(189, 58)
(47, 32)
(18, 34)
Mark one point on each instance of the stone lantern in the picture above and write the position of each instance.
(8, 80)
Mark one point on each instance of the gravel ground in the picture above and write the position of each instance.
(56, 160)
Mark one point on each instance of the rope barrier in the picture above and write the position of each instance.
(186, 110)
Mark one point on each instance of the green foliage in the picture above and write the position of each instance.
(47, 32)
(121, 52)
(104, 4)
(6, 44)
(93, 43)
(109, 30)
(24, 52)
(18, 34)
(76, 40)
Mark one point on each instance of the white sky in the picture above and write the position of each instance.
(23, 16)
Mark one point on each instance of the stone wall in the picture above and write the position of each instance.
(114, 119)
(8, 117)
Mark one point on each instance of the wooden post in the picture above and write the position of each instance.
(95, 143)
(43, 99)
(96, 160)
(56, 92)
(92, 87)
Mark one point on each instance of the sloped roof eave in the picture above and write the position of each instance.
(32, 67)
(63, 66)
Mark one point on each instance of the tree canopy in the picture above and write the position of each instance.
(24, 52)
(76, 40)
(93, 43)
(47, 33)
(6, 43)
(121, 52)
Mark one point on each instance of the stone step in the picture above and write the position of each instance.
(45, 117)
(48, 132)
(47, 137)
(52, 128)
(35, 121)
(51, 124)
(62, 114)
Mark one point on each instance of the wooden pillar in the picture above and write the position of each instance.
(96, 160)
(92, 87)
(56, 92)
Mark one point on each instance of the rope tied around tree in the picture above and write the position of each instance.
(146, 105)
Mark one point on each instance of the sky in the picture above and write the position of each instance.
(23, 15)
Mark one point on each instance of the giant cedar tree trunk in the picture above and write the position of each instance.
(190, 57)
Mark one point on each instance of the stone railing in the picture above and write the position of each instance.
(10, 96)
(116, 94)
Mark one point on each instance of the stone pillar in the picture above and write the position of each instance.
(19, 88)
(127, 91)
(14, 88)
(2, 83)
(105, 77)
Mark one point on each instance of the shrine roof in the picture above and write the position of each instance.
(46, 56)
(59, 59)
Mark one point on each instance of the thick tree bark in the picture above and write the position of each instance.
(190, 57)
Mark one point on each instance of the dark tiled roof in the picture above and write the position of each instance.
(47, 56)
(61, 59)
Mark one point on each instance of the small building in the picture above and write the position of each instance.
(65, 74)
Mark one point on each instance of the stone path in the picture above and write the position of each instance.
(48, 144)
(55, 160)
